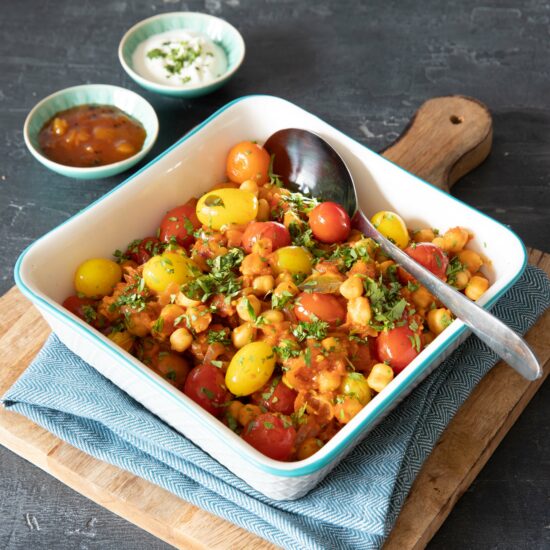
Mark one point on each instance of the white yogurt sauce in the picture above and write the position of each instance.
(179, 58)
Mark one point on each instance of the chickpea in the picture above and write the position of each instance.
(352, 288)
(181, 339)
(248, 307)
(424, 236)
(287, 286)
(198, 318)
(243, 334)
(254, 264)
(461, 279)
(438, 241)
(183, 300)
(380, 376)
(345, 411)
(284, 277)
(476, 287)
(309, 447)
(247, 413)
(272, 316)
(422, 298)
(471, 260)
(331, 344)
(263, 284)
(439, 320)
(455, 239)
(328, 381)
(263, 210)
(250, 185)
(359, 311)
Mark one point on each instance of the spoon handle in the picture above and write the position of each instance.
(499, 337)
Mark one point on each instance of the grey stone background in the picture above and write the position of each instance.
(363, 67)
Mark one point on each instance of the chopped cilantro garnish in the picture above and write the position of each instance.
(221, 279)
(279, 301)
(287, 349)
(89, 314)
(218, 336)
(386, 303)
(312, 329)
(455, 266)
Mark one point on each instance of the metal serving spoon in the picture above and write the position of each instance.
(308, 164)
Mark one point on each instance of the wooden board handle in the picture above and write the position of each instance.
(446, 138)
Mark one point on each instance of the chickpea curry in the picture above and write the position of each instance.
(91, 135)
(267, 309)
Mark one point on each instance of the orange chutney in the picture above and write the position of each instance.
(91, 135)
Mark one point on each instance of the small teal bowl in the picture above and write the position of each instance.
(218, 30)
(95, 94)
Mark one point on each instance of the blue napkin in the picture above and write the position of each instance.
(354, 507)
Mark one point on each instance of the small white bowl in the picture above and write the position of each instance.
(91, 94)
(219, 31)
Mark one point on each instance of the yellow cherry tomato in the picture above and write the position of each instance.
(294, 259)
(355, 385)
(224, 206)
(165, 269)
(97, 277)
(392, 227)
(250, 368)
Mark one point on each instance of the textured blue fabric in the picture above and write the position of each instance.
(354, 507)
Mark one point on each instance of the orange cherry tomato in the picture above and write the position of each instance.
(316, 305)
(398, 347)
(248, 161)
(276, 232)
(330, 223)
(179, 224)
(429, 256)
(270, 435)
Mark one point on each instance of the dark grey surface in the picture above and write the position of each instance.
(362, 66)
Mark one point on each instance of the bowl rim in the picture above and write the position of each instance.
(156, 86)
(407, 379)
(81, 170)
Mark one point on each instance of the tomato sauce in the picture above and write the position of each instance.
(91, 135)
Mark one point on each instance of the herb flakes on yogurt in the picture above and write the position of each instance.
(180, 58)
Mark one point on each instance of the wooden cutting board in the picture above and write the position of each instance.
(446, 138)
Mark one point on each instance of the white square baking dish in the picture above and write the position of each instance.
(44, 273)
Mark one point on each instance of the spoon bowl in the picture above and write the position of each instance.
(307, 163)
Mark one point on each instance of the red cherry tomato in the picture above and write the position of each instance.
(276, 397)
(276, 232)
(397, 346)
(330, 223)
(271, 436)
(79, 306)
(428, 255)
(142, 251)
(180, 223)
(205, 385)
(316, 305)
